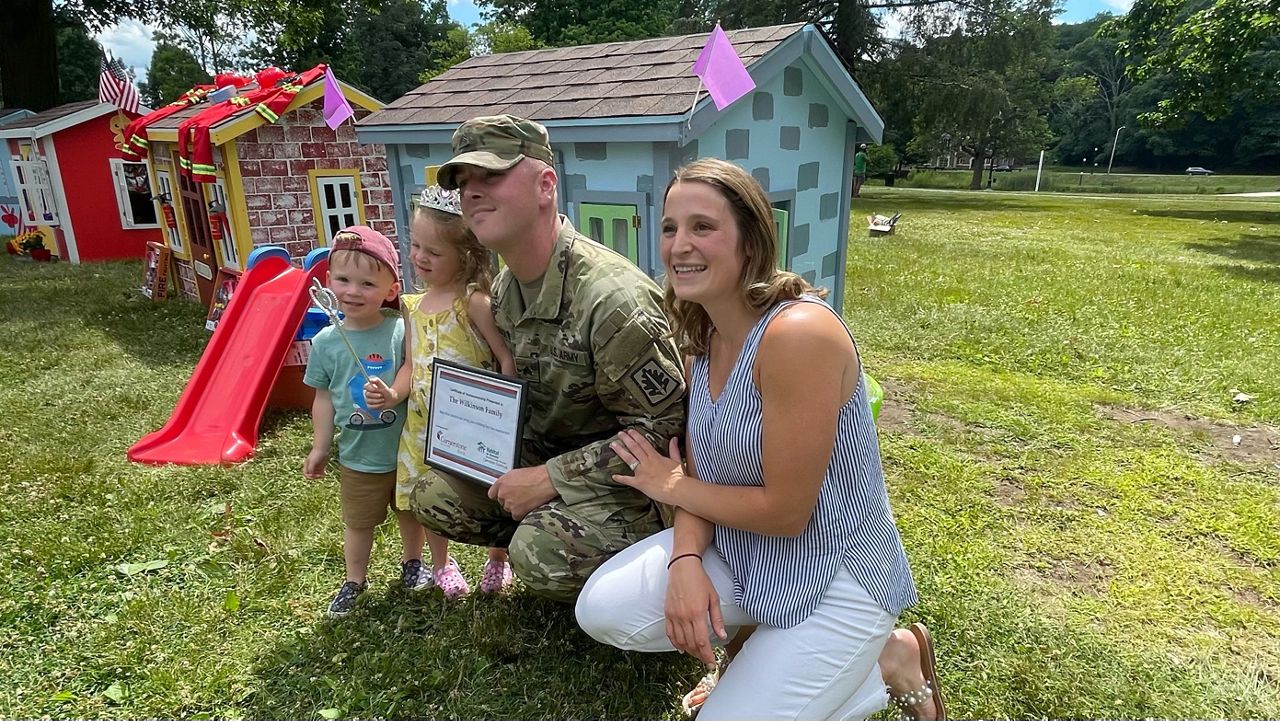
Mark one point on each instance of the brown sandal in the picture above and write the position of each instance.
(907, 702)
(706, 685)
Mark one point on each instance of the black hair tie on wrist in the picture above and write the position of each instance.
(683, 555)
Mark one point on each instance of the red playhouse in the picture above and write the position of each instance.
(72, 185)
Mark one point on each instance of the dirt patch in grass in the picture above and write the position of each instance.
(1255, 446)
(952, 425)
(1010, 493)
(895, 415)
(1235, 557)
(1252, 597)
(899, 415)
(1073, 574)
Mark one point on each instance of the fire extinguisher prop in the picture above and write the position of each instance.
(217, 221)
(166, 209)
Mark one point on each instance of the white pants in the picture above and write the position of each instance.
(825, 667)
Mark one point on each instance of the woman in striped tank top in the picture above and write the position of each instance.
(783, 543)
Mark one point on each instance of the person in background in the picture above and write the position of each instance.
(859, 170)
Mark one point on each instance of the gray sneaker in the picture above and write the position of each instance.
(415, 576)
(345, 602)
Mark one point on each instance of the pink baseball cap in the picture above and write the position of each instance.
(371, 243)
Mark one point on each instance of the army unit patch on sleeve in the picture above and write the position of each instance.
(655, 382)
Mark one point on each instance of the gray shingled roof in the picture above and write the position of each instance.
(637, 78)
(50, 115)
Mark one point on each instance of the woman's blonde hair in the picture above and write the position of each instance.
(476, 266)
(763, 283)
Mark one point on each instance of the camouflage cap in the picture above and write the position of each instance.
(495, 142)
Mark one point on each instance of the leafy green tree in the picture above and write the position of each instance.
(79, 60)
(881, 159)
(1075, 117)
(1257, 144)
(888, 83)
(982, 88)
(301, 40)
(1213, 50)
(293, 34)
(1090, 92)
(173, 71)
(501, 37)
(453, 48)
(1098, 58)
(853, 29)
(395, 43)
(212, 31)
(555, 23)
(380, 46)
(489, 38)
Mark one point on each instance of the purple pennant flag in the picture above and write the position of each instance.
(336, 107)
(722, 71)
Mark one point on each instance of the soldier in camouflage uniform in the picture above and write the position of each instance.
(588, 333)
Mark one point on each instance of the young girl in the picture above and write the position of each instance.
(450, 320)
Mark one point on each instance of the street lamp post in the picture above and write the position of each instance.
(1113, 148)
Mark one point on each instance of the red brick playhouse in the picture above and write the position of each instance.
(292, 182)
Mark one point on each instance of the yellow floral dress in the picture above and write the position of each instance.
(447, 334)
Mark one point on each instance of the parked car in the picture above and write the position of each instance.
(1003, 168)
(1197, 170)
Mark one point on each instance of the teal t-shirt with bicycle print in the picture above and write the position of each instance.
(367, 439)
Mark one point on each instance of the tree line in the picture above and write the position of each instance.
(998, 80)
(1171, 83)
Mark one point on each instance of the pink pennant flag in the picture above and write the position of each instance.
(722, 71)
(336, 107)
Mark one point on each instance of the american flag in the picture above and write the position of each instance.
(115, 87)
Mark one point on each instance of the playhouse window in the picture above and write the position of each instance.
(133, 194)
(34, 192)
(230, 256)
(339, 204)
(165, 195)
(782, 224)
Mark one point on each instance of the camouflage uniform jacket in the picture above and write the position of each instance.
(596, 350)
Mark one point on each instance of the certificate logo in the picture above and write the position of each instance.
(488, 453)
(448, 442)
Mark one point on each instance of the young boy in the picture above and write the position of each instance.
(363, 274)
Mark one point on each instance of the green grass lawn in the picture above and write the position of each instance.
(1058, 436)
(1060, 180)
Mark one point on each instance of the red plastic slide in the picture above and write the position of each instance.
(216, 419)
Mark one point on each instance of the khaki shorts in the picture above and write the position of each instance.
(366, 497)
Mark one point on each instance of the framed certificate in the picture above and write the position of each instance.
(475, 422)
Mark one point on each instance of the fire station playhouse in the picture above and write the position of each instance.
(250, 161)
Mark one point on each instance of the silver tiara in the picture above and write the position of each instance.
(444, 200)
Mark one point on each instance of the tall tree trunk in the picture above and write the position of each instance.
(979, 160)
(29, 55)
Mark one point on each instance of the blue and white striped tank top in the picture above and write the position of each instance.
(780, 580)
